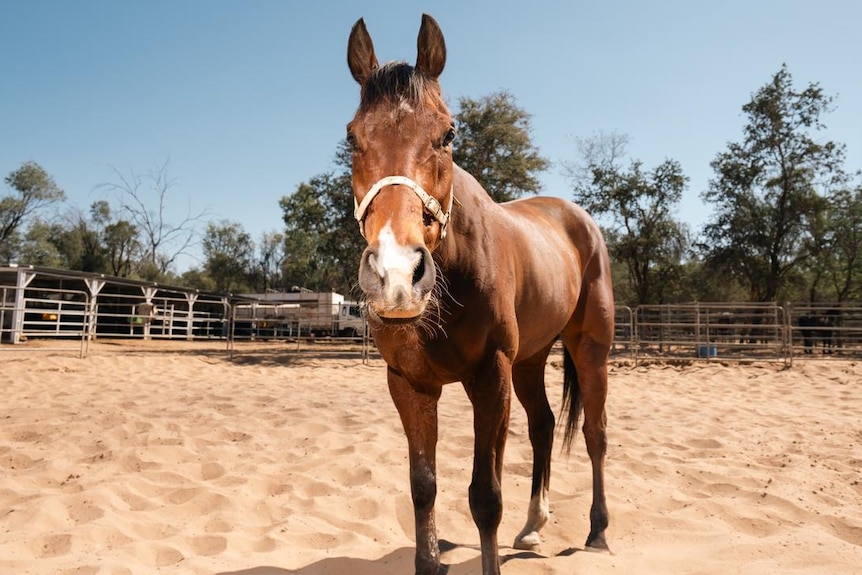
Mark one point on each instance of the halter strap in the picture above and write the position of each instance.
(431, 204)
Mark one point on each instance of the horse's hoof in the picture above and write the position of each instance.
(529, 542)
(601, 550)
(597, 544)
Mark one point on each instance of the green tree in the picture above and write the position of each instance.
(839, 255)
(766, 189)
(119, 239)
(197, 278)
(639, 204)
(73, 242)
(34, 190)
(304, 216)
(228, 251)
(38, 246)
(322, 244)
(494, 145)
(268, 266)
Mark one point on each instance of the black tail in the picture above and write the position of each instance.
(571, 400)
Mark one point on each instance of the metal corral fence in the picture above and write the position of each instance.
(72, 318)
(825, 330)
(63, 315)
(302, 327)
(72, 310)
(741, 332)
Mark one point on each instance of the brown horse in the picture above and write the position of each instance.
(459, 288)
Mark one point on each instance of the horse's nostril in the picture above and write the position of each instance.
(369, 276)
(424, 274)
(419, 272)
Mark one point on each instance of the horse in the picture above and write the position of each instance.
(819, 327)
(458, 288)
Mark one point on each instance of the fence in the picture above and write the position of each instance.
(825, 331)
(159, 313)
(63, 315)
(304, 327)
(742, 332)
(74, 309)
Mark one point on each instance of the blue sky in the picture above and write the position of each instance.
(247, 99)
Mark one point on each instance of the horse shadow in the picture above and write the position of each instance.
(398, 562)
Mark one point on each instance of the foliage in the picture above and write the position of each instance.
(494, 145)
(228, 252)
(787, 223)
(144, 200)
(36, 190)
(268, 266)
(838, 254)
(644, 235)
(766, 188)
(322, 241)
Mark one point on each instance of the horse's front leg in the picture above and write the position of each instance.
(418, 411)
(490, 392)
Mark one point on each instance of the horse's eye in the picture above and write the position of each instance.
(449, 137)
(351, 141)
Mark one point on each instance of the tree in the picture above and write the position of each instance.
(228, 252)
(119, 239)
(267, 272)
(303, 215)
(643, 233)
(35, 189)
(494, 145)
(38, 246)
(144, 199)
(839, 255)
(322, 240)
(766, 188)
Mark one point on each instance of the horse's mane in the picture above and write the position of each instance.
(395, 83)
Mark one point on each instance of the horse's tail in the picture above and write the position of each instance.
(571, 400)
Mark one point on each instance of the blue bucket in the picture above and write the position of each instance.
(707, 350)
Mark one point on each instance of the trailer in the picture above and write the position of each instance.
(300, 314)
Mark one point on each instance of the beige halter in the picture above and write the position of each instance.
(431, 204)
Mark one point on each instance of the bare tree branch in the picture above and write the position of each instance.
(145, 201)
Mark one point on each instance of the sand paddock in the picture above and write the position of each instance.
(169, 459)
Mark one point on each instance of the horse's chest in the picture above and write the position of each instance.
(430, 363)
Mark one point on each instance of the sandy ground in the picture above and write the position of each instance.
(170, 459)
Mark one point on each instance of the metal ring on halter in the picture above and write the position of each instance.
(431, 204)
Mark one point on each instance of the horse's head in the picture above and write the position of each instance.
(401, 139)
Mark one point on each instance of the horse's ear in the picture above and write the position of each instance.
(432, 48)
(360, 53)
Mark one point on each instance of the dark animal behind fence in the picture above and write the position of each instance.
(818, 329)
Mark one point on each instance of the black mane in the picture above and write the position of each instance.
(395, 82)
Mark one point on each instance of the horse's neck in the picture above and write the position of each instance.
(473, 215)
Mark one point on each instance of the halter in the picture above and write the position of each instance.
(431, 204)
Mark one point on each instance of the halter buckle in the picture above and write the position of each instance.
(428, 201)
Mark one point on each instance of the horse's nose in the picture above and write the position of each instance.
(397, 282)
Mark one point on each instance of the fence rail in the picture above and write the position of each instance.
(63, 315)
(76, 316)
(696, 331)
(738, 331)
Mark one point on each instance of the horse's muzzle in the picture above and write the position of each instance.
(397, 286)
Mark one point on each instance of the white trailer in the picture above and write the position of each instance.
(306, 313)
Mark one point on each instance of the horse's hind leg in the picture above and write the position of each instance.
(590, 359)
(529, 382)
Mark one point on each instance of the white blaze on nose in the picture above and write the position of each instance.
(394, 258)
